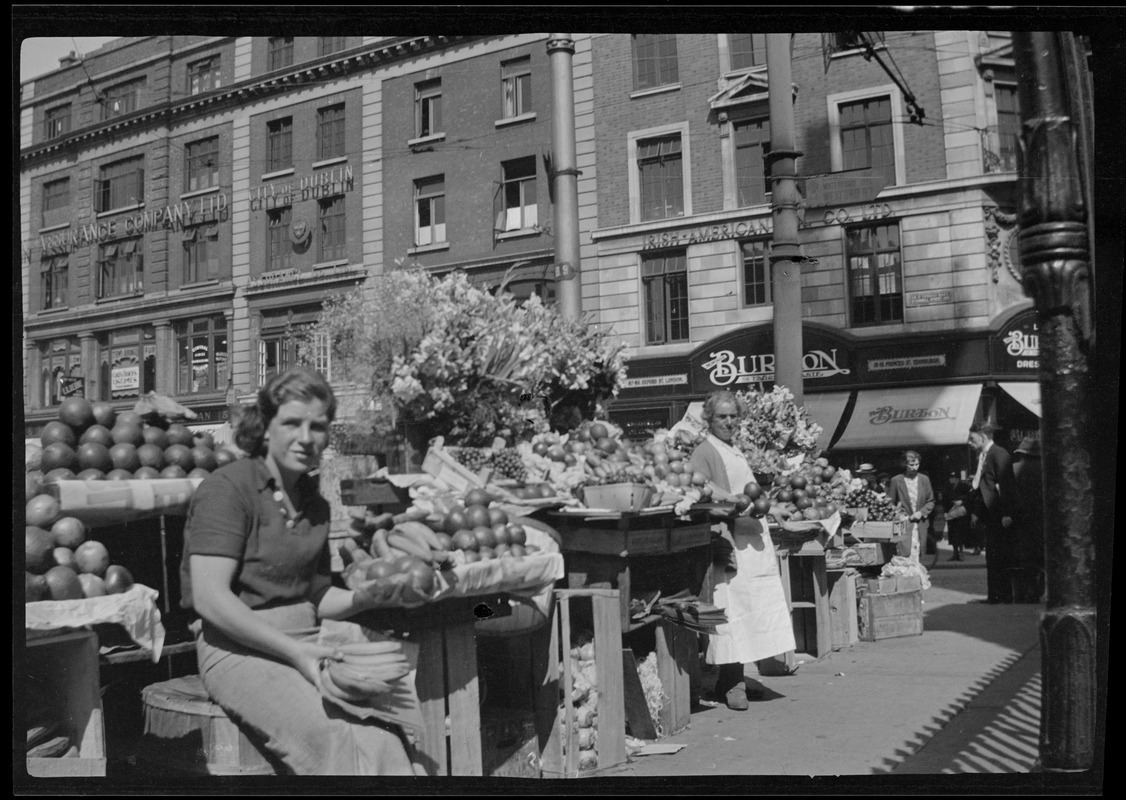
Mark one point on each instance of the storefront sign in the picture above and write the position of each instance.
(125, 378)
(727, 368)
(839, 190)
(1016, 348)
(713, 233)
(886, 414)
(655, 380)
(865, 213)
(906, 363)
(323, 184)
(72, 387)
(934, 297)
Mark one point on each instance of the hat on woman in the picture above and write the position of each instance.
(866, 469)
(1029, 447)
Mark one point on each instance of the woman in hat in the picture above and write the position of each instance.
(867, 473)
(911, 491)
(1029, 573)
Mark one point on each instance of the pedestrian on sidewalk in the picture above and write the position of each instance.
(952, 508)
(748, 586)
(1029, 583)
(995, 505)
(911, 491)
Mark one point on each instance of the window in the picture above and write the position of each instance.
(279, 144)
(854, 40)
(428, 108)
(201, 164)
(62, 371)
(332, 245)
(120, 184)
(330, 132)
(121, 99)
(201, 353)
(518, 210)
(319, 354)
(279, 53)
(756, 272)
(276, 354)
(661, 182)
(1008, 125)
(752, 173)
(53, 274)
(278, 250)
(201, 253)
(516, 86)
(665, 280)
(654, 60)
(875, 274)
(56, 121)
(56, 202)
(204, 75)
(327, 45)
(430, 210)
(747, 50)
(120, 268)
(866, 138)
(128, 366)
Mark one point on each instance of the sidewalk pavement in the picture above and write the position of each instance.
(963, 698)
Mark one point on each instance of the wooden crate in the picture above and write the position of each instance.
(509, 744)
(64, 684)
(441, 465)
(560, 757)
(374, 492)
(843, 608)
(887, 616)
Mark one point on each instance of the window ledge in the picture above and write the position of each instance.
(739, 73)
(199, 192)
(118, 210)
(56, 227)
(330, 161)
(50, 311)
(423, 140)
(526, 117)
(278, 173)
(340, 262)
(671, 87)
(118, 297)
(519, 234)
(853, 51)
(198, 285)
(428, 248)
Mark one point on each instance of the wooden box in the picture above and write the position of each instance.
(63, 686)
(441, 465)
(509, 744)
(891, 531)
(887, 616)
(843, 608)
(374, 492)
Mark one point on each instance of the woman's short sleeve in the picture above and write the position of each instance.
(218, 520)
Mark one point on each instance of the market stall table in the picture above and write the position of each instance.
(638, 553)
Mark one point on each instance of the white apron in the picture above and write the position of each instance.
(758, 620)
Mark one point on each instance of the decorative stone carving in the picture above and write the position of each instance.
(1000, 238)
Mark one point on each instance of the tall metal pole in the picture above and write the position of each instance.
(565, 176)
(1056, 266)
(785, 252)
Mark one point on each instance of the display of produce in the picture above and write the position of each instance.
(584, 700)
(879, 508)
(61, 563)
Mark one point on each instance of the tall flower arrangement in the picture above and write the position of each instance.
(774, 428)
(468, 364)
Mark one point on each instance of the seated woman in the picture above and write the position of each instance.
(256, 566)
(748, 587)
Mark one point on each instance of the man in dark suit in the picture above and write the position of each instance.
(995, 503)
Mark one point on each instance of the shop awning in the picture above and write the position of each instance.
(1025, 393)
(826, 410)
(911, 417)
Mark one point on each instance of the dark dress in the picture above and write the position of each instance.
(1029, 583)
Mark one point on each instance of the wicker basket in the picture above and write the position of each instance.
(618, 496)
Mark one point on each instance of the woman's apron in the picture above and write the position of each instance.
(758, 619)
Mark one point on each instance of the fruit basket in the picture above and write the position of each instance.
(618, 496)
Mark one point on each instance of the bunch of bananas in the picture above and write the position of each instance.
(412, 538)
(366, 671)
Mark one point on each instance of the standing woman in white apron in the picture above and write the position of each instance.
(748, 587)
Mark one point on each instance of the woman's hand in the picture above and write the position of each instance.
(307, 659)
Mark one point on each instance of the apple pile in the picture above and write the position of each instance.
(91, 441)
(61, 563)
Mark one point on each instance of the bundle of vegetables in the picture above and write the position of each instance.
(584, 699)
(691, 612)
(506, 462)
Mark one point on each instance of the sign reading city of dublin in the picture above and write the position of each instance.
(746, 357)
(326, 183)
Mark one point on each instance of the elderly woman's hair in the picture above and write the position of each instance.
(715, 398)
(298, 383)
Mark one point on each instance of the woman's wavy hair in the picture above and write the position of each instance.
(298, 383)
(715, 398)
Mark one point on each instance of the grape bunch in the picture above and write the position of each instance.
(472, 458)
(879, 507)
(508, 463)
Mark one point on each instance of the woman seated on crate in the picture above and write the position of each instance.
(748, 586)
(911, 491)
(256, 565)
